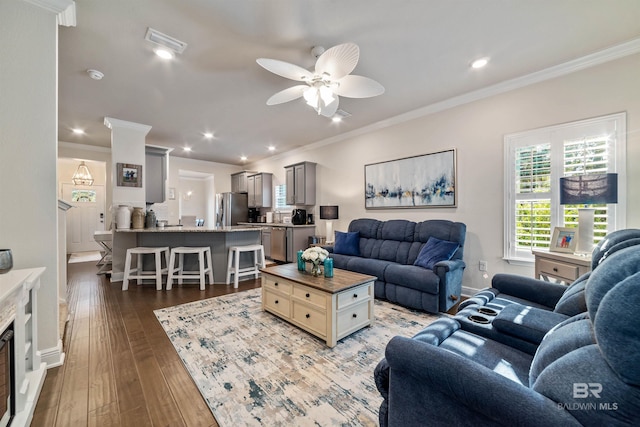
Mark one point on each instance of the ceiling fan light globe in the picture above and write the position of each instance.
(326, 94)
(311, 96)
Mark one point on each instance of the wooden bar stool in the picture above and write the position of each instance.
(182, 274)
(138, 273)
(233, 262)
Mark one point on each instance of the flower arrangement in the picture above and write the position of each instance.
(315, 255)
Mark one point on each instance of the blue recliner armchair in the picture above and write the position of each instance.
(585, 372)
(510, 288)
(497, 313)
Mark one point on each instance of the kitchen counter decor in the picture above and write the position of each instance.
(315, 256)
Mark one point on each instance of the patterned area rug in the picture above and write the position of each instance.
(255, 369)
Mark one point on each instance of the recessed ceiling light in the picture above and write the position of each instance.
(271, 148)
(78, 131)
(339, 115)
(164, 53)
(243, 158)
(208, 135)
(187, 149)
(479, 63)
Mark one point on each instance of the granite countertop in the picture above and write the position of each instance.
(275, 224)
(174, 229)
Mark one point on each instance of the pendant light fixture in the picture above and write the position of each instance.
(82, 175)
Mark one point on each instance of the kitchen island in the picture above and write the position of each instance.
(281, 241)
(219, 239)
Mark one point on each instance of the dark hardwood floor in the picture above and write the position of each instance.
(120, 368)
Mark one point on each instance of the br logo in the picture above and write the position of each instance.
(584, 390)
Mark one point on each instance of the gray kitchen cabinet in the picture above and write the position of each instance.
(155, 174)
(259, 190)
(297, 240)
(266, 241)
(301, 183)
(239, 182)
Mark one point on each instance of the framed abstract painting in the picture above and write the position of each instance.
(425, 181)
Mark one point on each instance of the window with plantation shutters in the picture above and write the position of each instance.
(536, 160)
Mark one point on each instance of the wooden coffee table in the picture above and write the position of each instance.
(329, 308)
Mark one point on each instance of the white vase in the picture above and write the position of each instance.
(123, 217)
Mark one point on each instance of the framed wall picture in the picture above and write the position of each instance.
(425, 181)
(129, 175)
(564, 240)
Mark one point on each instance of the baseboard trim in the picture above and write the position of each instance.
(469, 292)
(53, 357)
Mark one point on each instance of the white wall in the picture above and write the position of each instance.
(28, 153)
(221, 173)
(193, 197)
(476, 130)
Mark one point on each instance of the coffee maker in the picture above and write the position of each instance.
(299, 217)
(254, 213)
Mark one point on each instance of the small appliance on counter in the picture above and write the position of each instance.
(254, 215)
(310, 219)
(299, 217)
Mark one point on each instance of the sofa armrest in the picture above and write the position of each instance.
(535, 290)
(328, 248)
(449, 265)
(429, 383)
(450, 274)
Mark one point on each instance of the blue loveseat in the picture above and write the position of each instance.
(585, 372)
(389, 249)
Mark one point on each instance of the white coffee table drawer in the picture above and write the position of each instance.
(355, 295)
(276, 303)
(353, 318)
(311, 296)
(276, 284)
(310, 318)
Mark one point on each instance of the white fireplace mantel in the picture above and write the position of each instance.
(19, 304)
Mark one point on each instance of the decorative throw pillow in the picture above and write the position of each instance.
(435, 250)
(347, 243)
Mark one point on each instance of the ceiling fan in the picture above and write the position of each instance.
(330, 79)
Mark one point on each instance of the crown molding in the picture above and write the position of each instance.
(55, 6)
(67, 18)
(117, 123)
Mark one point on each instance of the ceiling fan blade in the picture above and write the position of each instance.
(330, 109)
(287, 95)
(358, 87)
(284, 69)
(338, 61)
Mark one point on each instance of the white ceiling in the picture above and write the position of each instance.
(419, 50)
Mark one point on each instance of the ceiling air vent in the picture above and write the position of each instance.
(161, 39)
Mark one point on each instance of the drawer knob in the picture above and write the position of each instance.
(275, 284)
(355, 295)
(307, 295)
(555, 269)
(355, 315)
(276, 301)
(308, 315)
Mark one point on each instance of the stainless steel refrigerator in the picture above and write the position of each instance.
(231, 208)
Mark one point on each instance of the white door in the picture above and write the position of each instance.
(85, 217)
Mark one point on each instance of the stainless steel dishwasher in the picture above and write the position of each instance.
(279, 244)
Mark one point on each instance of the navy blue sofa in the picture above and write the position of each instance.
(586, 371)
(388, 250)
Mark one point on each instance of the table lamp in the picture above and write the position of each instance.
(329, 212)
(591, 189)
